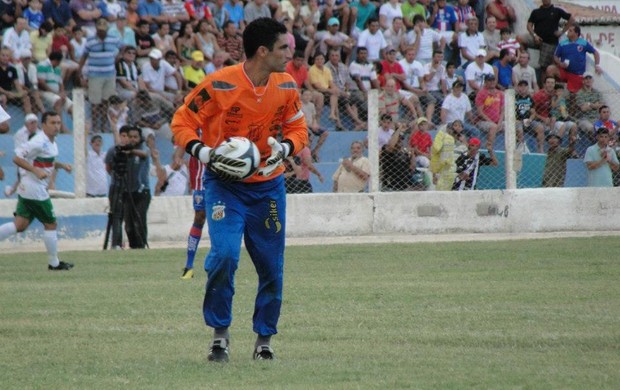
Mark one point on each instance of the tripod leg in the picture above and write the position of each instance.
(107, 232)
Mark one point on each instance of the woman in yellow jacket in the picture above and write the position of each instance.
(443, 154)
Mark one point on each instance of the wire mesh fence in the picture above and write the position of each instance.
(374, 138)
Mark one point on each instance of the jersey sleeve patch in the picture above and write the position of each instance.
(199, 100)
(288, 85)
(223, 85)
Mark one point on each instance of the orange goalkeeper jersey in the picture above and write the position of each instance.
(226, 104)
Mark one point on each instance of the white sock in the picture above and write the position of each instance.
(6, 230)
(50, 238)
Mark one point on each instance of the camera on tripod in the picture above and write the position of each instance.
(121, 155)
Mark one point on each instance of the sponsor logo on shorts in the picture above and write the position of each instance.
(218, 211)
(273, 217)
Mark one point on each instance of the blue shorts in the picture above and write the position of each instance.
(254, 212)
(198, 200)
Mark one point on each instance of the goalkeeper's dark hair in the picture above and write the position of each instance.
(261, 32)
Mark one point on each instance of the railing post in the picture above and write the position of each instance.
(509, 138)
(373, 139)
(79, 143)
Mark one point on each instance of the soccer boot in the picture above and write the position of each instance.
(218, 351)
(264, 352)
(62, 266)
(188, 273)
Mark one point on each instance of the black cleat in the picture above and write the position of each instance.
(62, 266)
(264, 352)
(218, 351)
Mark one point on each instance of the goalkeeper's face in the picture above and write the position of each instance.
(277, 58)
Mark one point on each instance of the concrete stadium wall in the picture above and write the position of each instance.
(82, 222)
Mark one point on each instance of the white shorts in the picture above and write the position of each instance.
(50, 99)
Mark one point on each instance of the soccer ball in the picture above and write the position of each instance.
(240, 148)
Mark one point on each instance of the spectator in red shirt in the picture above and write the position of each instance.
(490, 103)
(542, 102)
(392, 69)
(198, 10)
(421, 141)
(504, 13)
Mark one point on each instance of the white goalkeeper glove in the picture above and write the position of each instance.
(225, 168)
(279, 151)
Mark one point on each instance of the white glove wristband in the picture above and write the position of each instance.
(202, 152)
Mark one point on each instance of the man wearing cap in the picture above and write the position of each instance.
(334, 39)
(194, 72)
(468, 166)
(154, 75)
(29, 129)
(589, 100)
(127, 74)
(525, 115)
(413, 96)
(570, 59)
(601, 160)
(27, 76)
(421, 141)
(457, 106)
(475, 72)
(490, 103)
(555, 163)
(101, 50)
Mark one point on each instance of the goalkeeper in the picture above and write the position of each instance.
(257, 100)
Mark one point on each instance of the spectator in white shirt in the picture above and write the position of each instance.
(96, 175)
(373, 40)
(427, 39)
(17, 38)
(475, 72)
(154, 75)
(388, 12)
(524, 71)
(470, 41)
(395, 36)
(456, 106)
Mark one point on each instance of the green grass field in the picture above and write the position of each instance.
(537, 314)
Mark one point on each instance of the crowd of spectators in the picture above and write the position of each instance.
(441, 61)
